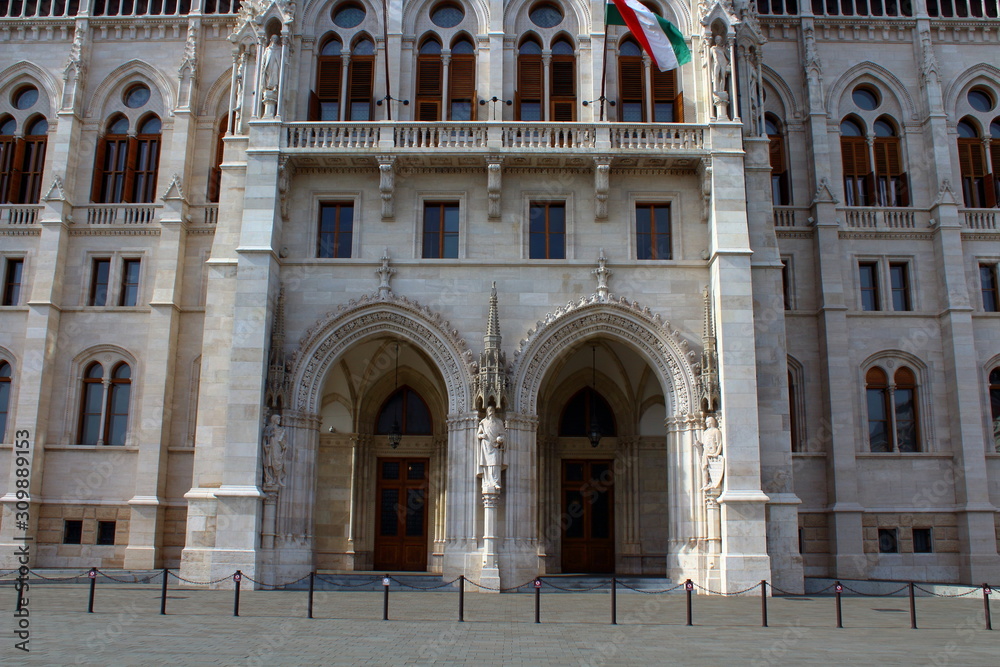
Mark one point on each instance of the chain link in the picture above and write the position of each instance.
(640, 590)
(874, 595)
(489, 588)
(945, 595)
(200, 583)
(274, 586)
(424, 588)
(145, 580)
(709, 590)
(575, 590)
(82, 575)
(334, 583)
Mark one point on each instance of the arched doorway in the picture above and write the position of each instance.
(602, 461)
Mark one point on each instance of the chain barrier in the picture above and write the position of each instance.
(709, 590)
(144, 580)
(82, 575)
(273, 586)
(334, 583)
(640, 590)
(946, 595)
(424, 588)
(575, 590)
(875, 595)
(489, 588)
(199, 583)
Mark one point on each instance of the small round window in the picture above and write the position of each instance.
(25, 97)
(866, 98)
(546, 15)
(349, 15)
(136, 96)
(979, 99)
(447, 15)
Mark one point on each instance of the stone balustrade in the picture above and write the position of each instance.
(19, 214)
(980, 218)
(653, 138)
(873, 217)
(121, 214)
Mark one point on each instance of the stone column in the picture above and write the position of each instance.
(293, 557)
(461, 551)
(686, 518)
(519, 551)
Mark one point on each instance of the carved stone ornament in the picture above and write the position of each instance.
(386, 184)
(284, 183)
(384, 273)
(174, 189)
(270, 76)
(55, 191)
(928, 61)
(602, 273)
(494, 178)
(602, 184)
(492, 437)
(713, 460)
(824, 195)
(945, 195)
(275, 446)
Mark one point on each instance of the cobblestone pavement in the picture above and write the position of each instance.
(199, 629)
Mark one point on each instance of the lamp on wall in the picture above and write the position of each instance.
(594, 432)
(395, 435)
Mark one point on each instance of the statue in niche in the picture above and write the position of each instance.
(720, 77)
(491, 435)
(713, 463)
(274, 452)
(271, 74)
(241, 71)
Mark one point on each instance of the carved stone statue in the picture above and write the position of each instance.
(491, 434)
(270, 75)
(274, 452)
(720, 77)
(241, 70)
(713, 461)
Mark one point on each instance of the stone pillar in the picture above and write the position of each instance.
(293, 557)
(744, 560)
(519, 551)
(685, 505)
(461, 549)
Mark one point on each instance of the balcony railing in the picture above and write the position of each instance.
(121, 214)
(980, 218)
(34, 9)
(651, 137)
(19, 214)
(866, 217)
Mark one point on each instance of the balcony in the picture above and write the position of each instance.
(871, 217)
(121, 214)
(19, 214)
(980, 218)
(499, 138)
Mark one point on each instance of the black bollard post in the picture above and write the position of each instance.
(538, 600)
(763, 604)
(688, 589)
(986, 606)
(913, 609)
(312, 587)
(93, 584)
(19, 598)
(614, 601)
(838, 589)
(385, 598)
(163, 594)
(238, 577)
(461, 598)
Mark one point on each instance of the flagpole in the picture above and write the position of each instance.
(604, 63)
(385, 59)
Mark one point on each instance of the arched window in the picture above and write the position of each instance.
(125, 167)
(215, 174)
(995, 158)
(995, 406)
(429, 81)
(406, 408)
(576, 416)
(893, 416)
(104, 405)
(890, 181)
(631, 83)
(780, 190)
(793, 413)
(858, 181)
(22, 159)
(562, 82)
(462, 81)
(976, 189)
(528, 98)
(361, 80)
(5, 381)
(324, 103)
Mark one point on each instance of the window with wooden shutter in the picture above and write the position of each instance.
(428, 97)
(359, 87)
(858, 182)
(7, 144)
(780, 190)
(890, 179)
(668, 105)
(31, 171)
(529, 85)
(215, 174)
(144, 162)
(110, 165)
(972, 162)
(462, 88)
(328, 79)
(995, 160)
(631, 101)
(562, 83)
(15, 171)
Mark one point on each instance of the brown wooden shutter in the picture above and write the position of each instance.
(314, 109)
(664, 85)
(529, 77)
(328, 78)
(679, 107)
(16, 172)
(776, 150)
(98, 173)
(995, 157)
(563, 77)
(32, 172)
(630, 79)
(904, 190)
(6, 165)
(131, 158)
(429, 76)
(563, 111)
(428, 111)
(462, 78)
(360, 79)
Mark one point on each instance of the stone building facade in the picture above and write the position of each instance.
(266, 266)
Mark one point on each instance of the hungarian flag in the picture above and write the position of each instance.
(659, 37)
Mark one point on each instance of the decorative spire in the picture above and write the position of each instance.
(384, 276)
(709, 377)
(490, 386)
(603, 273)
(278, 376)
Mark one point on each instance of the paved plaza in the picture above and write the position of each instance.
(199, 629)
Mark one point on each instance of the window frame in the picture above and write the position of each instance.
(437, 198)
(930, 539)
(338, 202)
(787, 282)
(106, 385)
(874, 290)
(891, 366)
(76, 527)
(906, 289)
(124, 284)
(653, 205)
(95, 282)
(7, 384)
(12, 296)
(889, 532)
(994, 273)
(548, 204)
(100, 538)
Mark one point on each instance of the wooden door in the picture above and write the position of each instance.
(588, 535)
(401, 515)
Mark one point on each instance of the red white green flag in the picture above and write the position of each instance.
(659, 37)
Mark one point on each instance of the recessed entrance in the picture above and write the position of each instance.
(401, 514)
(588, 536)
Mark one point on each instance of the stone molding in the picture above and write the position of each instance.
(661, 344)
(371, 315)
